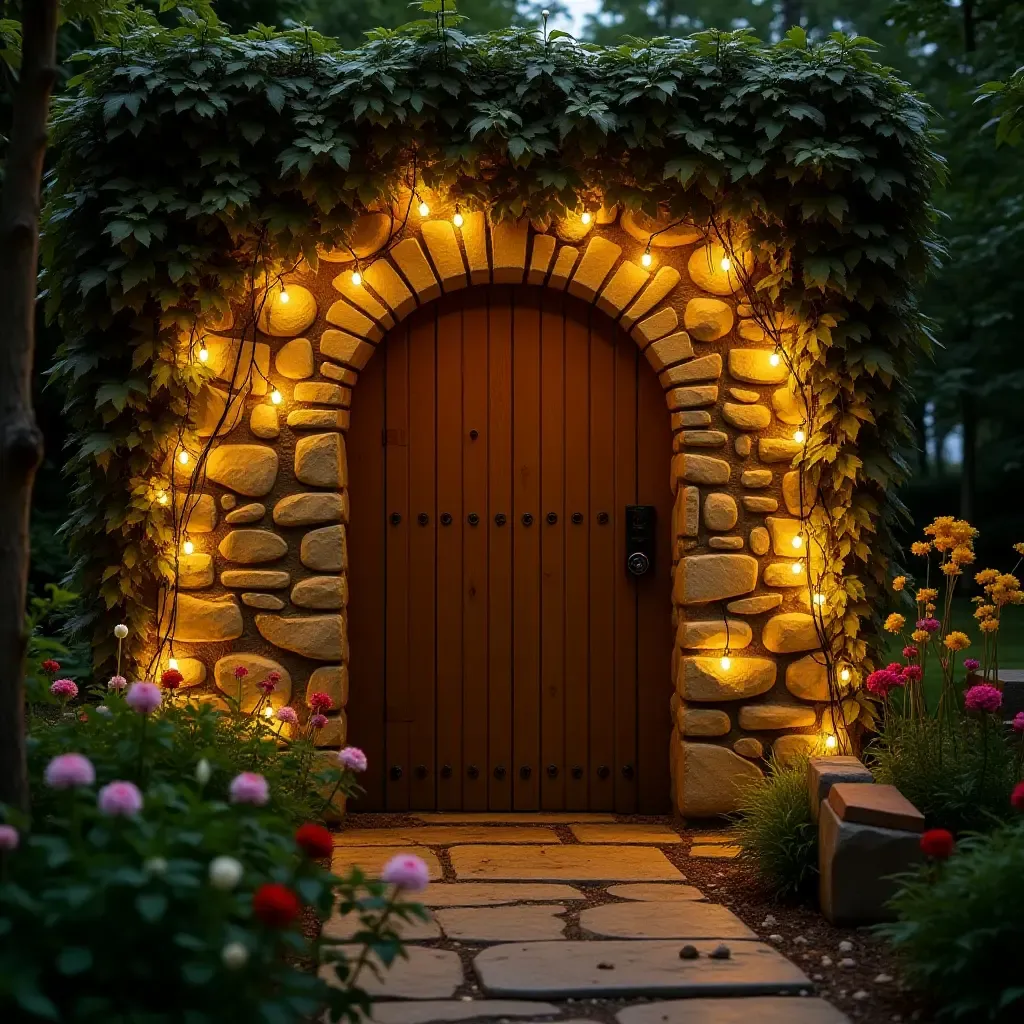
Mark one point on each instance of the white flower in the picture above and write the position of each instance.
(225, 873)
(120, 631)
(234, 955)
(156, 866)
(203, 771)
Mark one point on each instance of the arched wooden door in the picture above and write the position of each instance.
(502, 656)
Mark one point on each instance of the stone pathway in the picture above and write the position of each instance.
(569, 919)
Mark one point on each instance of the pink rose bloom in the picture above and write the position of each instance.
(120, 799)
(912, 673)
(287, 714)
(910, 651)
(972, 664)
(117, 683)
(69, 770)
(249, 788)
(318, 721)
(144, 698)
(928, 625)
(9, 838)
(1018, 722)
(406, 872)
(983, 698)
(64, 688)
(352, 758)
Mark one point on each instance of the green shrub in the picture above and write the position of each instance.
(960, 929)
(775, 831)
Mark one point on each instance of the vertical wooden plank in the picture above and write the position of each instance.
(654, 596)
(526, 550)
(577, 560)
(422, 545)
(603, 567)
(449, 555)
(625, 415)
(399, 710)
(552, 555)
(501, 653)
(474, 566)
(366, 552)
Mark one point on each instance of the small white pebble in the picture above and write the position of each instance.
(846, 946)
(817, 977)
(804, 992)
(860, 994)
(768, 922)
(883, 979)
(466, 999)
(847, 962)
(800, 940)
(826, 961)
(775, 937)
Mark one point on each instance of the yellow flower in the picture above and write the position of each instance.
(963, 532)
(926, 594)
(899, 582)
(988, 625)
(957, 641)
(984, 611)
(1019, 548)
(929, 608)
(919, 636)
(920, 547)
(1009, 581)
(941, 526)
(951, 569)
(985, 576)
(1017, 597)
(895, 623)
(962, 555)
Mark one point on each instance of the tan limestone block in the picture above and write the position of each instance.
(345, 348)
(249, 469)
(775, 716)
(754, 605)
(360, 297)
(807, 677)
(258, 668)
(508, 250)
(702, 722)
(351, 320)
(742, 445)
(780, 574)
(794, 747)
(321, 593)
(700, 579)
(265, 602)
(663, 322)
(753, 366)
(699, 469)
(263, 422)
(760, 540)
(287, 311)
(474, 239)
(251, 513)
(334, 733)
(620, 291)
(198, 513)
(194, 672)
(211, 413)
(720, 543)
(564, 262)
(720, 512)
(663, 282)
(789, 407)
(294, 359)
(748, 746)
(195, 571)
(756, 503)
(568, 229)
(778, 449)
(704, 679)
(686, 512)
(439, 236)
(410, 260)
(756, 478)
(324, 549)
(248, 547)
(705, 368)
(339, 373)
(708, 319)
(319, 419)
(311, 509)
(713, 634)
(690, 419)
(389, 286)
(320, 461)
(783, 532)
(598, 259)
(742, 395)
(705, 269)
(746, 417)
(262, 579)
(791, 488)
(668, 351)
(691, 398)
(320, 637)
(660, 232)
(200, 620)
(750, 330)
(323, 394)
(369, 234)
(789, 633)
(700, 439)
(540, 258)
(606, 214)
(332, 680)
(708, 779)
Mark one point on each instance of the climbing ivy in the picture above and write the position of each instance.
(187, 156)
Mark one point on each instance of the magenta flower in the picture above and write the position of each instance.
(120, 799)
(249, 788)
(972, 664)
(352, 758)
(910, 651)
(912, 673)
(318, 721)
(881, 681)
(241, 672)
(1018, 722)
(66, 689)
(983, 698)
(66, 771)
(269, 685)
(406, 871)
(9, 838)
(287, 714)
(928, 625)
(144, 698)
(117, 683)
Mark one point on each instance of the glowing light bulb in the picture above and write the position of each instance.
(797, 541)
(798, 436)
(424, 209)
(647, 259)
(183, 457)
(586, 217)
(172, 663)
(726, 264)
(819, 599)
(773, 359)
(798, 567)
(831, 742)
(357, 278)
(844, 675)
(162, 498)
(276, 397)
(725, 662)
(204, 354)
(268, 712)
(284, 295)
(188, 547)
(458, 220)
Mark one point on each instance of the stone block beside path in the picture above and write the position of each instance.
(824, 772)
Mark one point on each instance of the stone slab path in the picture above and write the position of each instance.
(568, 919)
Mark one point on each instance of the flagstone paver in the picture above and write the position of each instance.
(718, 852)
(564, 863)
(373, 858)
(483, 894)
(345, 927)
(511, 818)
(659, 892)
(502, 924)
(652, 835)
(455, 1010)
(421, 974)
(714, 838)
(671, 921)
(444, 835)
(631, 967)
(759, 1009)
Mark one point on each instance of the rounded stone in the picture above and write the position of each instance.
(754, 366)
(795, 747)
(780, 574)
(700, 469)
(754, 605)
(704, 679)
(807, 678)
(705, 269)
(210, 412)
(195, 571)
(789, 633)
(258, 668)
(725, 543)
(321, 593)
(703, 578)
(746, 417)
(245, 364)
(320, 460)
(660, 232)
(265, 602)
(572, 229)
(324, 550)
(703, 722)
(793, 491)
(288, 311)
(311, 509)
(334, 733)
(775, 716)
(789, 407)
(748, 746)
(714, 634)
(294, 359)
(320, 637)
(228, 502)
(263, 421)
(248, 469)
(759, 540)
(251, 513)
(708, 319)
(742, 395)
(201, 620)
(332, 680)
(708, 779)
(756, 478)
(249, 547)
(759, 503)
(701, 439)
(720, 512)
(264, 579)
(750, 330)
(367, 236)
(742, 446)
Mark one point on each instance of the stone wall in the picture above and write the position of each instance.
(266, 586)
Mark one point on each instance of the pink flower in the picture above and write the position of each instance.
(912, 673)
(928, 625)
(972, 664)
(120, 799)
(318, 721)
(249, 788)
(287, 714)
(910, 651)
(241, 672)
(9, 838)
(117, 683)
(269, 685)
(406, 871)
(882, 680)
(320, 702)
(1018, 722)
(64, 688)
(144, 697)
(983, 698)
(352, 758)
(69, 770)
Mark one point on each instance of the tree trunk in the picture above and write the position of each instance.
(21, 443)
(969, 467)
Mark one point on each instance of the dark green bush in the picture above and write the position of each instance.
(775, 831)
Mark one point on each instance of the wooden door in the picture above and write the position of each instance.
(502, 656)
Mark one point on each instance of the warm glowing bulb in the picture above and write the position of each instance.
(819, 599)
(798, 436)
(183, 458)
(797, 541)
(188, 547)
(585, 217)
(773, 359)
(725, 662)
(424, 209)
(268, 712)
(284, 294)
(458, 220)
(647, 259)
(172, 663)
(830, 742)
(844, 675)
(162, 498)
(204, 354)
(798, 567)
(276, 397)
(726, 264)
(357, 278)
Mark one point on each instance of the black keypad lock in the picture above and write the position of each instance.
(639, 538)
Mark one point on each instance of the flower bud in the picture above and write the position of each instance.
(120, 631)
(234, 956)
(203, 771)
(225, 873)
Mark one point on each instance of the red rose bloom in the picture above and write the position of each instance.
(275, 905)
(1017, 797)
(314, 841)
(50, 666)
(937, 843)
(171, 679)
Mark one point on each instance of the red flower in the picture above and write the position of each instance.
(937, 843)
(320, 702)
(275, 905)
(314, 841)
(241, 672)
(50, 666)
(171, 679)
(1017, 797)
